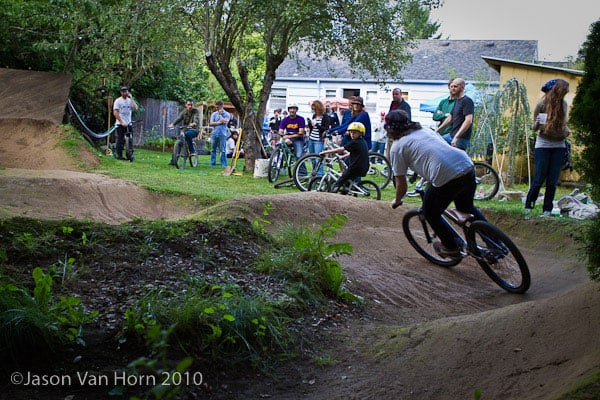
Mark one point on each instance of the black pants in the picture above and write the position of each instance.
(121, 131)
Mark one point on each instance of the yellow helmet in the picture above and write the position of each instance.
(356, 126)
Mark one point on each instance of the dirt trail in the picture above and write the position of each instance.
(426, 333)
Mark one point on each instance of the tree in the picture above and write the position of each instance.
(369, 34)
(584, 120)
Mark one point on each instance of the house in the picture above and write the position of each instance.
(426, 77)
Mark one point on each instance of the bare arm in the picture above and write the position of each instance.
(465, 125)
(400, 190)
(445, 123)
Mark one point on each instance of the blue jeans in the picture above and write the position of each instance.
(460, 190)
(315, 146)
(218, 144)
(548, 164)
(378, 147)
(461, 143)
(298, 145)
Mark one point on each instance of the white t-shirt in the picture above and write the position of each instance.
(230, 148)
(125, 108)
(425, 152)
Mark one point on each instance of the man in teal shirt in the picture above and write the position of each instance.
(444, 109)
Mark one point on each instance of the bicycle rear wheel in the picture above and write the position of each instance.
(367, 189)
(274, 166)
(319, 184)
(499, 257)
(421, 236)
(488, 181)
(380, 170)
(194, 160)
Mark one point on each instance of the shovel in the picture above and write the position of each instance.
(231, 168)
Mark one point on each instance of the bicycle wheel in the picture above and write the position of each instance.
(194, 160)
(380, 170)
(274, 166)
(180, 155)
(499, 257)
(309, 166)
(319, 184)
(421, 236)
(367, 189)
(488, 181)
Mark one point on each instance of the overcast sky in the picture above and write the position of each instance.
(560, 27)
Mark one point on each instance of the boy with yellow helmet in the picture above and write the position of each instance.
(358, 152)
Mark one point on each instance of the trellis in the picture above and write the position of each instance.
(503, 122)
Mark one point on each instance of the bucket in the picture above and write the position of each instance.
(261, 168)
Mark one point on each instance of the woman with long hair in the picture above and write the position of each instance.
(317, 127)
(550, 122)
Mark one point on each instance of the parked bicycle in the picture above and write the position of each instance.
(331, 173)
(494, 251)
(282, 158)
(182, 151)
(488, 182)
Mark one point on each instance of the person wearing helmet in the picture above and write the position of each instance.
(292, 130)
(449, 170)
(358, 152)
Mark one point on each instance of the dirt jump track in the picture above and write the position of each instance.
(426, 332)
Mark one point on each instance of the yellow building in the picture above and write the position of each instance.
(533, 76)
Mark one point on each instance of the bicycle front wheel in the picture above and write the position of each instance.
(499, 257)
(380, 170)
(319, 184)
(421, 236)
(194, 160)
(180, 155)
(274, 166)
(308, 167)
(488, 181)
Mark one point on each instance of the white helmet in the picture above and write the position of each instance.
(292, 105)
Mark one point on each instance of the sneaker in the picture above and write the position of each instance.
(446, 253)
(546, 214)
(527, 214)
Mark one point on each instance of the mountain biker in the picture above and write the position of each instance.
(358, 166)
(122, 109)
(449, 170)
(191, 121)
(292, 130)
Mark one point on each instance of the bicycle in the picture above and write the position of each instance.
(282, 157)
(129, 149)
(488, 181)
(326, 181)
(182, 151)
(493, 250)
(380, 169)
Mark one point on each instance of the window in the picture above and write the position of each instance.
(278, 98)
(371, 101)
(330, 93)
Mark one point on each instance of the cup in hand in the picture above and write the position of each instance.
(542, 117)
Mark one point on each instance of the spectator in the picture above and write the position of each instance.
(443, 111)
(461, 117)
(379, 138)
(359, 114)
(122, 110)
(231, 145)
(317, 127)
(219, 120)
(550, 122)
(190, 117)
(274, 127)
(334, 120)
(397, 103)
(292, 129)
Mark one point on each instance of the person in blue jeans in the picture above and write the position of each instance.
(550, 122)
(190, 117)
(461, 117)
(449, 170)
(219, 120)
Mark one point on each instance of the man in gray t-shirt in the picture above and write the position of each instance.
(448, 170)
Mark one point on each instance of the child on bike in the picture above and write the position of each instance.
(358, 164)
(449, 170)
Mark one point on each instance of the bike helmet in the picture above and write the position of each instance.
(356, 126)
(292, 105)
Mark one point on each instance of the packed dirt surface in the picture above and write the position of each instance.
(425, 332)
